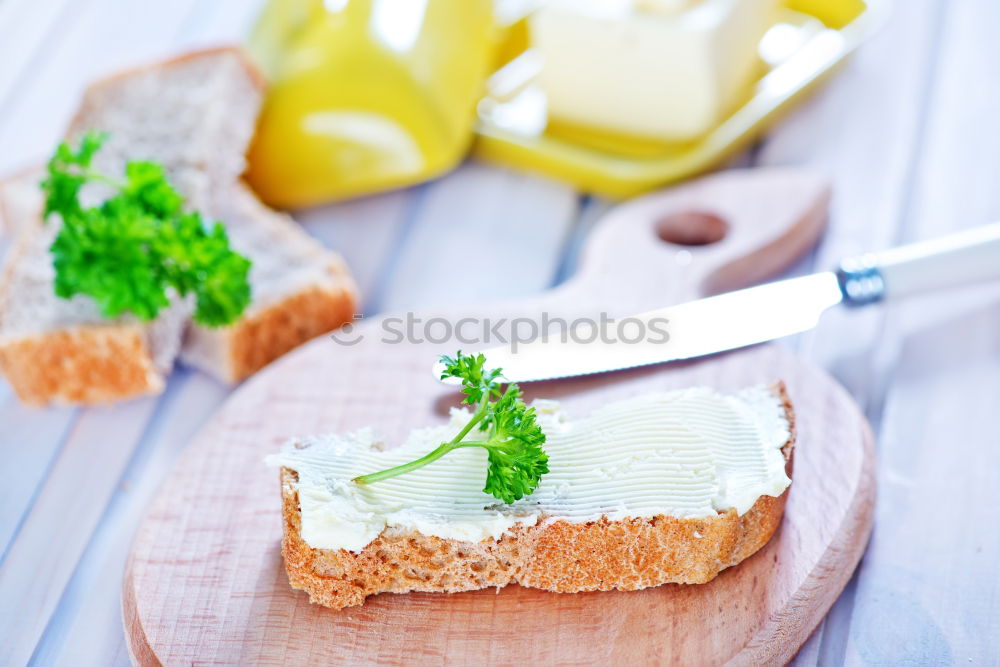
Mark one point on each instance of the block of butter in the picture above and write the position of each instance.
(664, 69)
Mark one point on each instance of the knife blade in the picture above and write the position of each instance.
(752, 315)
(693, 329)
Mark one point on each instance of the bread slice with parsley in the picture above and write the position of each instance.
(195, 115)
(64, 350)
(554, 554)
(300, 291)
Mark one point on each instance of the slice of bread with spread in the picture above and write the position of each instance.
(195, 115)
(593, 542)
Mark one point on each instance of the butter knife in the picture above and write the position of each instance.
(756, 314)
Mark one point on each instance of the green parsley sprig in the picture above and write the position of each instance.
(509, 433)
(126, 252)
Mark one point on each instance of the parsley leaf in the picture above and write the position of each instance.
(63, 183)
(475, 380)
(127, 252)
(512, 437)
(517, 460)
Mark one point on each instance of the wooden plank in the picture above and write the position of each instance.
(86, 628)
(218, 22)
(808, 655)
(591, 210)
(59, 524)
(32, 439)
(110, 35)
(57, 528)
(863, 130)
(26, 34)
(480, 233)
(928, 591)
(365, 231)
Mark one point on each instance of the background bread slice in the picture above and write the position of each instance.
(63, 350)
(195, 115)
(21, 202)
(562, 557)
(300, 290)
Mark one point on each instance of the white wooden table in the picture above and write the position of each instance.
(909, 134)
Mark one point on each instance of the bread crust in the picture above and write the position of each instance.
(268, 332)
(93, 365)
(559, 556)
(271, 332)
(274, 323)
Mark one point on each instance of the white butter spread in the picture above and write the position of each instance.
(685, 454)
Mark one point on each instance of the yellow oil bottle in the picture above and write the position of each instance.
(365, 95)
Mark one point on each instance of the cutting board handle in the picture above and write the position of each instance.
(726, 231)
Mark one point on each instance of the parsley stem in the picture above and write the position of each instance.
(485, 444)
(506, 429)
(430, 457)
(476, 418)
(98, 177)
(433, 455)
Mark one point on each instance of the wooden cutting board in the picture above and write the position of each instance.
(205, 581)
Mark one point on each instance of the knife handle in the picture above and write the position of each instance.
(965, 258)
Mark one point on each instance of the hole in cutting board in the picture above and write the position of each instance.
(691, 228)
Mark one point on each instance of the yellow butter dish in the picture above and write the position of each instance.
(618, 97)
